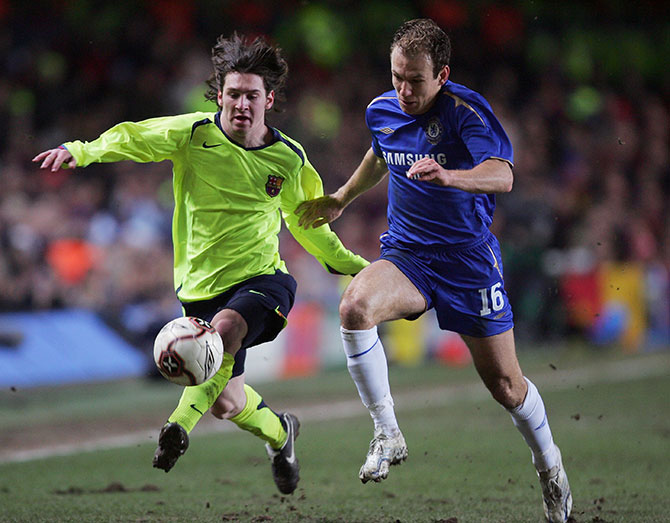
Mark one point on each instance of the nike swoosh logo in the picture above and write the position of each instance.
(197, 409)
(256, 292)
(291, 458)
(207, 146)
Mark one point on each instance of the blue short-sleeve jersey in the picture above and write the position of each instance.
(459, 132)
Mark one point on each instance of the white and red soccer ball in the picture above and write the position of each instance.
(188, 351)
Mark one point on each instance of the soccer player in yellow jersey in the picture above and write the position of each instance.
(233, 177)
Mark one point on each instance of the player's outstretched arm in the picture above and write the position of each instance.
(320, 241)
(56, 159)
(325, 209)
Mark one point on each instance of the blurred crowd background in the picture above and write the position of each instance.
(583, 90)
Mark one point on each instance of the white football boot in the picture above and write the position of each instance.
(384, 451)
(556, 495)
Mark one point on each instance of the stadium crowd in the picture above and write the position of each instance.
(584, 100)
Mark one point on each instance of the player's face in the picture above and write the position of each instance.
(243, 103)
(414, 81)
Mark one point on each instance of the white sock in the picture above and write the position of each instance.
(368, 368)
(531, 419)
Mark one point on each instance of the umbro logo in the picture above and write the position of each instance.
(207, 146)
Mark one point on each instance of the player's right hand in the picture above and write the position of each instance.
(56, 159)
(319, 211)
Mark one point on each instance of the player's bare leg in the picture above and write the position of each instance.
(497, 364)
(380, 292)
(232, 400)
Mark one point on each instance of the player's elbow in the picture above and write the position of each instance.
(499, 175)
(508, 183)
(507, 179)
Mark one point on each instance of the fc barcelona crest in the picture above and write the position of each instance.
(273, 185)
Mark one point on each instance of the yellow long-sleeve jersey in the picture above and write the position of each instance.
(228, 199)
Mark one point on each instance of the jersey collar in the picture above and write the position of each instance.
(275, 135)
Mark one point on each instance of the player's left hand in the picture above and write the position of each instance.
(56, 159)
(428, 170)
(319, 211)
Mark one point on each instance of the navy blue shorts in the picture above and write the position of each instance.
(263, 301)
(465, 286)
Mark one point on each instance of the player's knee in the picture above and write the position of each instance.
(231, 331)
(505, 392)
(355, 312)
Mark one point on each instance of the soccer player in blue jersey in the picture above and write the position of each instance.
(446, 156)
(233, 177)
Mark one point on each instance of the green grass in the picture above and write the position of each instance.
(467, 461)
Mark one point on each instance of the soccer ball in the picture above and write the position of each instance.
(188, 351)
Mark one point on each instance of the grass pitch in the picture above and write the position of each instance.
(467, 462)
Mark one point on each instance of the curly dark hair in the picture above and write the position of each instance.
(423, 35)
(243, 55)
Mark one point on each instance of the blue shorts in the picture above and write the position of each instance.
(465, 286)
(263, 301)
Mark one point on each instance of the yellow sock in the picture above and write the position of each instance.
(195, 401)
(260, 420)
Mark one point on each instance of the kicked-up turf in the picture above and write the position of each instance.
(467, 462)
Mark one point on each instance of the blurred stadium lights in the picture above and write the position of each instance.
(582, 88)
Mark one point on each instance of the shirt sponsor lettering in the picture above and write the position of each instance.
(409, 158)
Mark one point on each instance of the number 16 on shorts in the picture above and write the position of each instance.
(493, 299)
